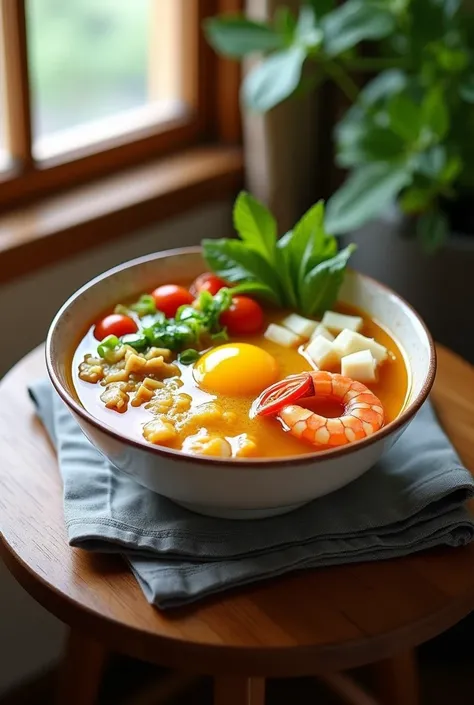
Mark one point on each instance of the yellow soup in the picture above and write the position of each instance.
(204, 407)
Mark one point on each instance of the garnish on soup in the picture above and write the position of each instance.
(235, 365)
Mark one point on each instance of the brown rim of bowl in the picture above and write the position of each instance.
(263, 463)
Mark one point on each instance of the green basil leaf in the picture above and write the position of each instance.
(434, 112)
(432, 230)
(236, 36)
(284, 269)
(274, 79)
(405, 117)
(307, 237)
(353, 22)
(236, 263)
(255, 225)
(321, 285)
(367, 192)
(257, 289)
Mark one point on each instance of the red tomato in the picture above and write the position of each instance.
(207, 282)
(244, 316)
(170, 297)
(115, 324)
(280, 394)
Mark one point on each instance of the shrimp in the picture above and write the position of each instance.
(363, 412)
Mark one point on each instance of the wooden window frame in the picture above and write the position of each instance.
(213, 119)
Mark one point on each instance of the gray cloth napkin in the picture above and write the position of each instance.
(411, 500)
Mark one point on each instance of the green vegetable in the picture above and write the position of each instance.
(302, 270)
(135, 340)
(107, 346)
(145, 305)
(406, 135)
(187, 357)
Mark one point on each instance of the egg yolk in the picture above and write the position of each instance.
(235, 369)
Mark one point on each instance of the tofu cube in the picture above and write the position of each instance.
(299, 325)
(359, 366)
(322, 353)
(282, 336)
(348, 342)
(322, 330)
(336, 322)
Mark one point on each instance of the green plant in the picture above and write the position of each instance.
(407, 134)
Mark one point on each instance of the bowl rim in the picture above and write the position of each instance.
(264, 463)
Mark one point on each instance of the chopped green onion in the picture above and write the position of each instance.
(144, 306)
(220, 337)
(187, 357)
(122, 310)
(138, 341)
(108, 345)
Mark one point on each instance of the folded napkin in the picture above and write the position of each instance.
(411, 500)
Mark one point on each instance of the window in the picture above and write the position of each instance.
(91, 86)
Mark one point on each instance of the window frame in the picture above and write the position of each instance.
(213, 118)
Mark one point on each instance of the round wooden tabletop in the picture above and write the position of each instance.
(303, 624)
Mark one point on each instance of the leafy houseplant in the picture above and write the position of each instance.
(407, 135)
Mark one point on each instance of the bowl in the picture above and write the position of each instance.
(246, 488)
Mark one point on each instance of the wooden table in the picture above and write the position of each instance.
(316, 622)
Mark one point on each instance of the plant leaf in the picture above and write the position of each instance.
(466, 89)
(321, 7)
(307, 31)
(367, 191)
(434, 113)
(236, 36)
(274, 79)
(354, 21)
(283, 266)
(236, 263)
(254, 289)
(285, 23)
(385, 84)
(322, 283)
(306, 237)
(432, 230)
(431, 162)
(255, 224)
(405, 117)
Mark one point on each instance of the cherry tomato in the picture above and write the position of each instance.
(207, 282)
(170, 297)
(115, 324)
(244, 316)
(280, 394)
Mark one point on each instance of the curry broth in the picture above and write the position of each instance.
(271, 440)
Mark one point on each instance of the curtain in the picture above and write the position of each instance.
(281, 147)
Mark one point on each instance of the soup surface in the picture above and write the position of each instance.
(204, 407)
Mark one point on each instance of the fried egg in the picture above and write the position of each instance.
(235, 369)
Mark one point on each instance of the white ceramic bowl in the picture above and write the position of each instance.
(251, 488)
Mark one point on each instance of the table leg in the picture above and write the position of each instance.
(396, 680)
(81, 671)
(238, 690)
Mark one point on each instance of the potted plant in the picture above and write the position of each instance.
(405, 139)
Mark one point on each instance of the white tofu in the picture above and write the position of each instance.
(322, 353)
(336, 322)
(359, 366)
(282, 336)
(299, 325)
(321, 330)
(348, 342)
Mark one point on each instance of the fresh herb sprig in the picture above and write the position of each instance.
(302, 270)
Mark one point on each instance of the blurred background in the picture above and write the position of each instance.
(124, 130)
